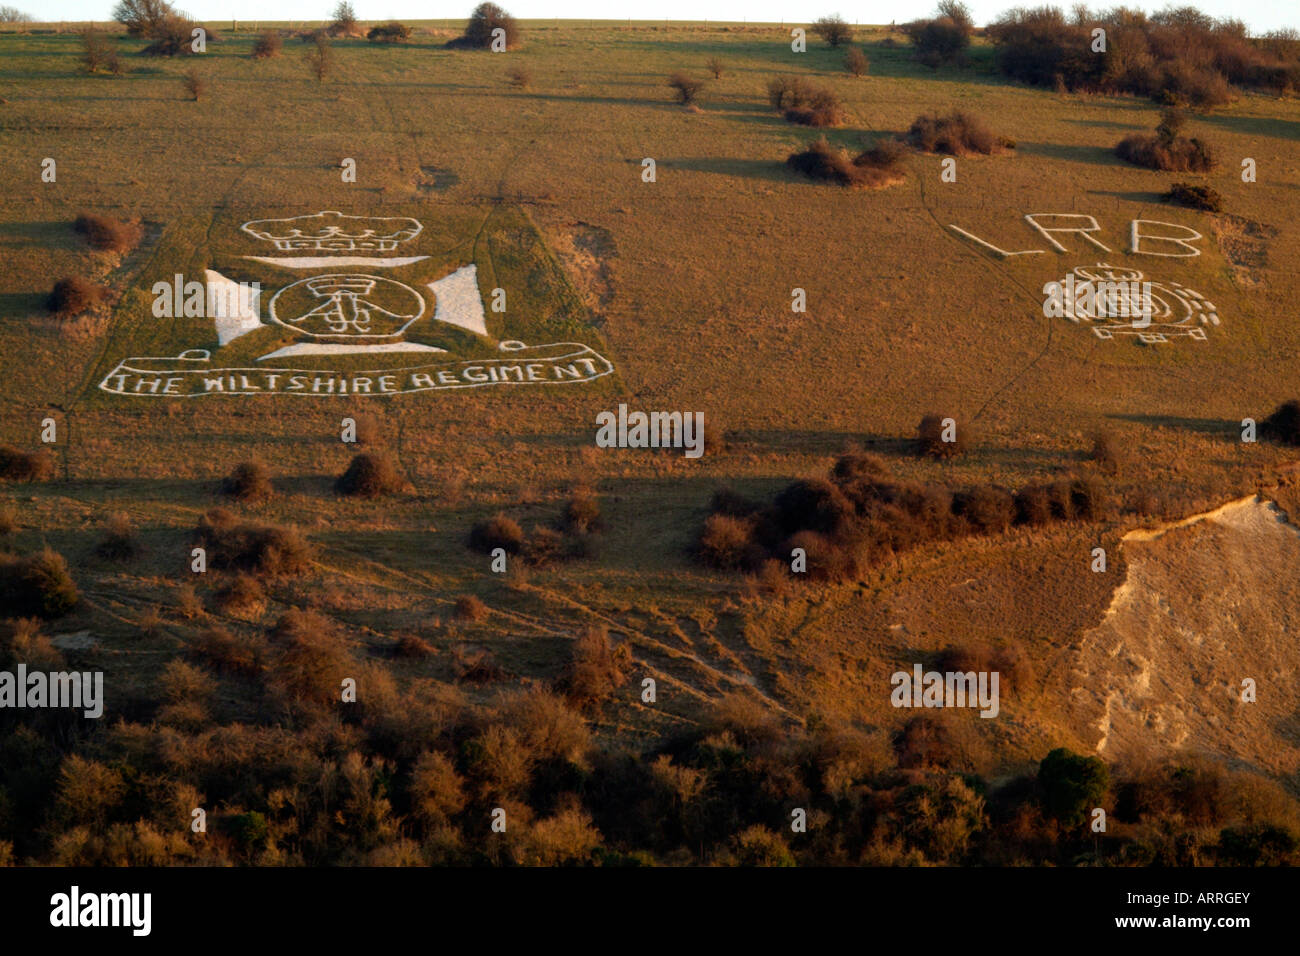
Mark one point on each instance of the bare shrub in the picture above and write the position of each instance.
(873, 169)
(229, 653)
(345, 21)
(1168, 150)
(1106, 453)
(18, 465)
(8, 520)
(412, 647)
(856, 62)
(251, 546)
(596, 669)
(834, 29)
(143, 17)
(714, 65)
(940, 436)
(97, 53)
(470, 608)
(499, 531)
(249, 481)
(391, 32)
(785, 92)
(520, 77)
(1283, 425)
(36, 585)
(268, 45)
(688, 88)
(243, 596)
(1089, 499)
(923, 742)
(194, 84)
(957, 134)
(74, 295)
(371, 475)
(828, 559)
(544, 547)
(1033, 505)
(319, 57)
(119, 542)
(1194, 197)
(987, 509)
(582, 512)
(821, 108)
(108, 234)
(727, 542)
(311, 662)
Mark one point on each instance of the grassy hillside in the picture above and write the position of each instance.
(684, 284)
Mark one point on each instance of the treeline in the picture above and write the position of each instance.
(1179, 55)
(417, 778)
(859, 516)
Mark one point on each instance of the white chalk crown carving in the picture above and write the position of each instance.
(334, 232)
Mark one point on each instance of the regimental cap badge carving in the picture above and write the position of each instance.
(334, 232)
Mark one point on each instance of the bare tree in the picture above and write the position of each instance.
(834, 29)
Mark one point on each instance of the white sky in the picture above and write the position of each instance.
(1260, 15)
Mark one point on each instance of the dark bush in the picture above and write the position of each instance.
(470, 608)
(687, 87)
(1281, 426)
(371, 475)
(922, 742)
(957, 134)
(268, 45)
(944, 38)
(36, 585)
(249, 546)
(828, 559)
(1194, 197)
(73, 296)
(486, 18)
(520, 78)
(1257, 844)
(940, 436)
(391, 32)
(250, 481)
(813, 505)
(119, 542)
(820, 108)
(856, 62)
(229, 653)
(784, 92)
(1106, 453)
(988, 510)
(18, 465)
(241, 596)
(877, 167)
(822, 161)
(1168, 150)
(498, 531)
(1034, 505)
(108, 234)
(1070, 786)
(544, 547)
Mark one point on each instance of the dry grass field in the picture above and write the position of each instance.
(684, 285)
